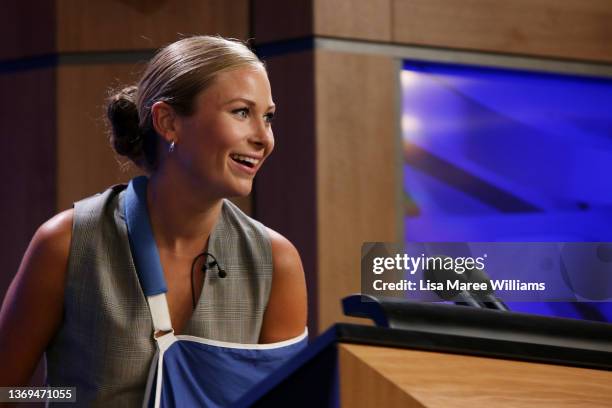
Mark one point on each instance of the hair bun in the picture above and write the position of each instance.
(126, 136)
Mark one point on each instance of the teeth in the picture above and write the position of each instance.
(245, 159)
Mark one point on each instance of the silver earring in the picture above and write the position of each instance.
(171, 148)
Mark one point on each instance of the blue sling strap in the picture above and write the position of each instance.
(190, 371)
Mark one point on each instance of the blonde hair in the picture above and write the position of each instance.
(175, 75)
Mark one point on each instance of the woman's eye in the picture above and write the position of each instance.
(269, 117)
(242, 112)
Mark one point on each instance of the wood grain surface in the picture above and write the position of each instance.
(26, 30)
(86, 162)
(357, 19)
(136, 24)
(572, 29)
(357, 169)
(452, 380)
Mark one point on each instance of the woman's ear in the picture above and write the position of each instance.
(164, 120)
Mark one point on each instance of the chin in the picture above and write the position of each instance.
(241, 190)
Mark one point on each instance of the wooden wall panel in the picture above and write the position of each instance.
(285, 195)
(357, 161)
(574, 29)
(277, 20)
(86, 161)
(355, 19)
(27, 191)
(132, 24)
(27, 29)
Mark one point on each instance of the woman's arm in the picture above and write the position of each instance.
(285, 315)
(32, 309)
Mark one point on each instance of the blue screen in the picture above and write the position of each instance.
(507, 155)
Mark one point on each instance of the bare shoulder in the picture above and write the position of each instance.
(50, 244)
(33, 305)
(285, 315)
(57, 231)
(284, 252)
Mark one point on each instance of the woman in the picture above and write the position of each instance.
(199, 124)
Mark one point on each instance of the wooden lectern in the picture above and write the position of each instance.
(448, 356)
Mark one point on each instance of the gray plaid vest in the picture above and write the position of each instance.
(105, 346)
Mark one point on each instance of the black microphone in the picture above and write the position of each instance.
(479, 299)
(205, 267)
(442, 275)
(208, 265)
(488, 297)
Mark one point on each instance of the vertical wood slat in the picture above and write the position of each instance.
(26, 33)
(86, 161)
(285, 196)
(279, 20)
(357, 159)
(28, 165)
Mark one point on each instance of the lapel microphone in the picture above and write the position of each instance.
(205, 267)
(208, 265)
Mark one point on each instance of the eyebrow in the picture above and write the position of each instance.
(247, 101)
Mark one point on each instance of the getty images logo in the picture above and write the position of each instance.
(412, 264)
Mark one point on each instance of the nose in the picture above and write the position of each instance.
(262, 135)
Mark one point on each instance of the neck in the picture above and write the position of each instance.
(182, 217)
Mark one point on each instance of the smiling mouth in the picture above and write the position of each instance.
(244, 160)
